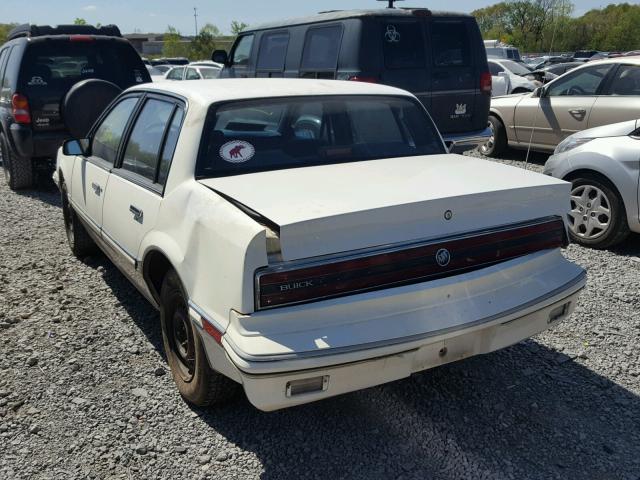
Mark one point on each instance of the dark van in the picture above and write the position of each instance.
(38, 66)
(439, 57)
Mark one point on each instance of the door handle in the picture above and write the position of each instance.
(578, 111)
(96, 188)
(138, 214)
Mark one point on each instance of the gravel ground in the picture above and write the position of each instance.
(85, 392)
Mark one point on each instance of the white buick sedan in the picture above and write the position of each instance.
(307, 238)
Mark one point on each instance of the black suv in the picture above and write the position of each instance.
(438, 56)
(38, 66)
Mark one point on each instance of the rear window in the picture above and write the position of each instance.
(515, 67)
(257, 135)
(450, 43)
(62, 63)
(403, 45)
(321, 48)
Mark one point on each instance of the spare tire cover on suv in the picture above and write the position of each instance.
(84, 103)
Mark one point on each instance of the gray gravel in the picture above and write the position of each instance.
(84, 394)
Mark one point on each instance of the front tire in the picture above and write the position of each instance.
(597, 218)
(196, 381)
(497, 143)
(18, 171)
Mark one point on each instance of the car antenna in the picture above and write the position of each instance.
(535, 115)
(391, 2)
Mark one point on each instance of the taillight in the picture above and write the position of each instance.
(357, 78)
(485, 82)
(286, 285)
(20, 107)
(81, 38)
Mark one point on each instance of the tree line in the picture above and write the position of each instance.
(548, 25)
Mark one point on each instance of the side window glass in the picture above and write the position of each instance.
(170, 146)
(626, 81)
(273, 50)
(3, 57)
(175, 74)
(321, 48)
(192, 74)
(403, 45)
(242, 52)
(582, 83)
(109, 134)
(143, 148)
(450, 44)
(495, 69)
(12, 64)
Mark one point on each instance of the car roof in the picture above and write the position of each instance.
(335, 15)
(206, 92)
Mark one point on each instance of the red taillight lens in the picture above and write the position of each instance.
(485, 82)
(357, 78)
(415, 263)
(20, 107)
(81, 38)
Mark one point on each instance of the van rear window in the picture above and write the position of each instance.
(403, 45)
(450, 42)
(270, 134)
(321, 48)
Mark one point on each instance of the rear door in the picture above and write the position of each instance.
(454, 83)
(51, 66)
(404, 54)
(620, 100)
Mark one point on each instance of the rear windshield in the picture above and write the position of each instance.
(62, 63)
(257, 135)
(515, 67)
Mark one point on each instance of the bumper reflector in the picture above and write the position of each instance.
(211, 330)
(307, 385)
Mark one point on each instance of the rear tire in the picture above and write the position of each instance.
(18, 171)
(80, 242)
(597, 218)
(497, 144)
(196, 381)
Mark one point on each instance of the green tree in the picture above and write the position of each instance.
(173, 45)
(237, 27)
(204, 43)
(79, 21)
(5, 28)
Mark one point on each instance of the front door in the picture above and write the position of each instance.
(621, 99)
(563, 109)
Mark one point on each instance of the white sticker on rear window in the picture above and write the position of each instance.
(237, 151)
(37, 81)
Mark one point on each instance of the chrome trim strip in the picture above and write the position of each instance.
(574, 285)
(206, 316)
(114, 244)
(369, 252)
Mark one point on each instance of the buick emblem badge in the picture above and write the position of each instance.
(443, 257)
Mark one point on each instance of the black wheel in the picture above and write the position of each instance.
(196, 381)
(79, 240)
(597, 218)
(497, 143)
(18, 172)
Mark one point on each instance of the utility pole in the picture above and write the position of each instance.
(195, 18)
(390, 2)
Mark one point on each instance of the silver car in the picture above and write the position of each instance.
(603, 166)
(597, 93)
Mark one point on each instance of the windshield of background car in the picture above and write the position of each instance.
(59, 64)
(515, 67)
(270, 134)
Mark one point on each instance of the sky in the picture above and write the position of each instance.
(155, 15)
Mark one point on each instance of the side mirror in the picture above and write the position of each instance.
(76, 147)
(220, 56)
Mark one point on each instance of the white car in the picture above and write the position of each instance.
(602, 164)
(199, 71)
(509, 77)
(307, 238)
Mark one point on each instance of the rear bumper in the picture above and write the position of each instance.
(29, 144)
(461, 142)
(266, 381)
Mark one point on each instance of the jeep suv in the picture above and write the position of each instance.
(437, 56)
(38, 66)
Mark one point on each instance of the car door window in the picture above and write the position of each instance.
(192, 74)
(108, 136)
(321, 48)
(143, 147)
(495, 68)
(175, 74)
(585, 82)
(626, 81)
(242, 52)
(450, 44)
(170, 145)
(273, 50)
